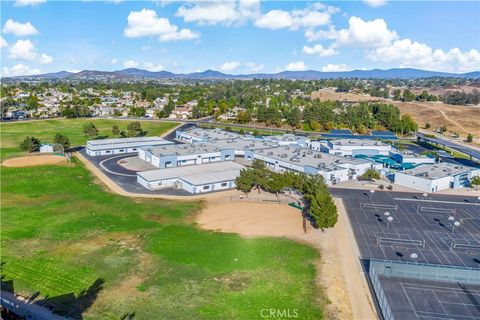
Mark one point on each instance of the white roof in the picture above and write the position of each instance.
(196, 174)
(437, 171)
(102, 144)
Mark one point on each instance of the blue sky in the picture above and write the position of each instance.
(242, 36)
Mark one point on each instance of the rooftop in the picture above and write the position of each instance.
(210, 134)
(184, 149)
(357, 142)
(200, 174)
(437, 171)
(242, 144)
(306, 157)
(125, 143)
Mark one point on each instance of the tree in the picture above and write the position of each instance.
(408, 95)
(62, 140)
(475, 181)
(244, 117)
(245, 181)
(369, 175)
(294, 116)
(115, 131)
(90, 130)
(427, 125)
(30, 144)
(322, 208)
(469, 138)
(135, 129)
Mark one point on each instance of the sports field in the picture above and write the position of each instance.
(14, 132)
(97, 255)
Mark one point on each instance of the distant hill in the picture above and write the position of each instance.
(133, 73)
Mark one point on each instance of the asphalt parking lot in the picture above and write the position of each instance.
(124, 178)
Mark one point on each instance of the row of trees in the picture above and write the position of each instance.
(327, 115)
(134, 129)
(318, 203)
(461, 97)
(32, 144)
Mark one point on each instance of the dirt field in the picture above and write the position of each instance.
(30, 161)
(461, 119)
(325, 94)
(337, 257)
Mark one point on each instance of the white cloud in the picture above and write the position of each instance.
(275, 19)
(314, 15)
(19, 70)
(45, 59)
(146, 23)
(131, 64)
(219, 12)
(334, 67)
(19, 29)
(375, 3)
(184, 34)
(153, 67)
(319, 50)
(114, 61)
(24, 3)
(145, 48)
(296, 66)
(366, 34)
(23, 50)
(408, 53)
(229, 66)
(3, 43)
(254, 67)
(322, 34)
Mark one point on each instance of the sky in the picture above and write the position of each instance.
(238, 36)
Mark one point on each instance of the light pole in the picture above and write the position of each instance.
(451, 218)
(414, 257)
(389, 220)
(455, 224)
(425, 196)
(371, 193)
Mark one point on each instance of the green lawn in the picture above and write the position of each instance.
(14, 132)
(98, 255)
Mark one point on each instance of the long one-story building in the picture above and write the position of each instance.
(436, 177)
(196, 134)
(185, 154)
(351, 147)
(122, 145)
(240, 145)
(194, 179)
(334, 169)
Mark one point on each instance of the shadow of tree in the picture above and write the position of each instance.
(69, 305)
(72, 305)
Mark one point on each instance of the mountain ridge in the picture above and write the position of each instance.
(135, 73)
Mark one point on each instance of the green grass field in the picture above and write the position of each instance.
(14, 132)
(97, 255)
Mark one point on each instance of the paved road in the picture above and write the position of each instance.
(473, 153)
